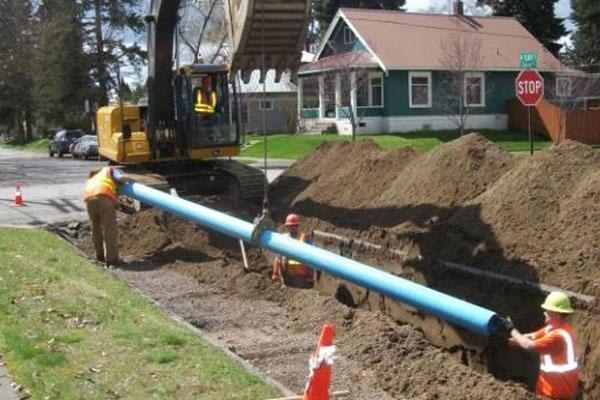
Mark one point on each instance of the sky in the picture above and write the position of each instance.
(562, 9)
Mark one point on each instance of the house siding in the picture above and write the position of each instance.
(499, 89)
(276, 120)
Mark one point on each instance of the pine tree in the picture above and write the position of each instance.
(113, 33)
(536, 15)
(586, 39)
(325, 10)
(61, 67)
(16, 48)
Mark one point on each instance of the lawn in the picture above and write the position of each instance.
(36, 145)
(70, 330)
(297, 146)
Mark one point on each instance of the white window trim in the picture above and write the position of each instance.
(569, 86)
(348, 35)
(419, 74)
(371, 75)
(482, 89)
(261, 105)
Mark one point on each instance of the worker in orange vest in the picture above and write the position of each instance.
(100, 198)
(555, 343)
(291, 272)
(206, 98)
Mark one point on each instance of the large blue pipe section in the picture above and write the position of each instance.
(459, 312)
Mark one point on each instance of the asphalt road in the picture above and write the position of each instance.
(53, 187)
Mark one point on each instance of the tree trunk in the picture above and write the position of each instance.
(102, 72)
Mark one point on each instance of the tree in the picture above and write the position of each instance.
(16, 49)
(536, 15)
(113, 31)
(61, 85)
(203, 30)
(586, 39)
(460, 86)
(325, 10)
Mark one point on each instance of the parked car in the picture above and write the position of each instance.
(62, 140)
(85, 147)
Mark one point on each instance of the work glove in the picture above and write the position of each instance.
(504, 327)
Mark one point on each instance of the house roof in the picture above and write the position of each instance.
(362, 59)
(400, 40)
(254, 85)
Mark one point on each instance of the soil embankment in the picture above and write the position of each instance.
(468, 202)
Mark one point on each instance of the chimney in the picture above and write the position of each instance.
(459, 8)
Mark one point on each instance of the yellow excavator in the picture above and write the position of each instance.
(186, 135)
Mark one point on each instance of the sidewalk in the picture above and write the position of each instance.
(6, 390)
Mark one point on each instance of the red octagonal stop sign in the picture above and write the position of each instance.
(529, 87)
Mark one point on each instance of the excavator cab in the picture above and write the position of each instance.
(203, 105)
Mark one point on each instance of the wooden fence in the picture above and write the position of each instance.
(556, 123)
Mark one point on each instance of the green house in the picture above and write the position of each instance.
(380, 71)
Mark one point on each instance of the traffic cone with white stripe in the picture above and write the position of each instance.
(18, 201)
(320, 364)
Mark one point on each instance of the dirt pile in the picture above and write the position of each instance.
(379, 357)
(469, 202)
(543, 212)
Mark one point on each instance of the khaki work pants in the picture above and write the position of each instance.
(103, 218)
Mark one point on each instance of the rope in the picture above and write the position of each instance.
(264, 115)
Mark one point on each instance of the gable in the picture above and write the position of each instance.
(342, 40)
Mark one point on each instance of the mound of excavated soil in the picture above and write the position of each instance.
(467, 201)
(276, 329)
(470, 202)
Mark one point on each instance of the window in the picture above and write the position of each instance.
(376, 83)
(419, 91)
(563, 86)
(369, 89)
(310, 92)
(265, 105)
(362, 89)
(349, 36)
(329, 96)
(474, 89)
(345, 88)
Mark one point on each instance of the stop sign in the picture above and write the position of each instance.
(529, 87)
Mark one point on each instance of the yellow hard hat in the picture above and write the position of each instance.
(558, 302)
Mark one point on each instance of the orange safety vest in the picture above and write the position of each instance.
(559, 371)
(101, 184)
(296, 268)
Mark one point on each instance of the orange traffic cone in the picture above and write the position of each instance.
(320, 364)
(18, 201)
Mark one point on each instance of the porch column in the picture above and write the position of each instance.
(321, 96)
(300, 96)
(353, 108)
(338, 95)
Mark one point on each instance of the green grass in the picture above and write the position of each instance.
(297, 146)
(35, 145)
(69, 330)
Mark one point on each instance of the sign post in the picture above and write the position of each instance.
(529, 87)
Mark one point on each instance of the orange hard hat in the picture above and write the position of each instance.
(292, 220)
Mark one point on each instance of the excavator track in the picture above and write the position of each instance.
(194, 179)
(250, 181)
(274, 29)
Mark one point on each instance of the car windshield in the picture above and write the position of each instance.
(73, 134)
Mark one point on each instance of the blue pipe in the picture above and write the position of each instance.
(459, 312)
